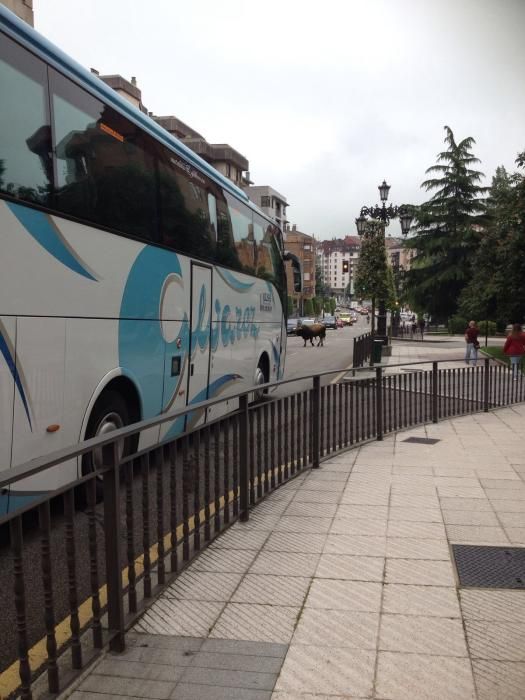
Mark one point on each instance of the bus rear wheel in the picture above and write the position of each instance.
(109, 413)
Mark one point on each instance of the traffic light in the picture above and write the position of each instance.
(345, 266)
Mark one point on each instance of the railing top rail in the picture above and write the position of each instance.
(27, 469)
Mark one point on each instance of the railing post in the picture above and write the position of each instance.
(112, 540)
(379, 402)
(434, 392)
(244, 459)
(17, 546)
(315, 409)
(486, 384)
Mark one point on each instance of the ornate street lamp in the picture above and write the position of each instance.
(385, 214)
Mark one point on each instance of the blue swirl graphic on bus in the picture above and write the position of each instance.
(142, 346)
(4, 349)
(43, 230)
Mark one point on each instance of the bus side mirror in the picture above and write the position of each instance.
(296, 271)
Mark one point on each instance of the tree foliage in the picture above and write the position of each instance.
(496, 289)
(448, 229)
(373, 277)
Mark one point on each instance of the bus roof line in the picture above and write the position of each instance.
(34, 41)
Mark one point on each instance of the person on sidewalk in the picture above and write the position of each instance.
(471, 339)
(421, 326)
(515, 348)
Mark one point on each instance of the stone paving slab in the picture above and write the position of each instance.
(345, 587)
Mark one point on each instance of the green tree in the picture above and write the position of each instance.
(448, 229)
(290, 305)
(496, 289)
(317, 304)
(373, 277)
(308, 307)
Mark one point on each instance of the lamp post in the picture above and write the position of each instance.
(384, 214)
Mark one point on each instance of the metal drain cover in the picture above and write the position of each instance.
(422, 441)
(490, 567)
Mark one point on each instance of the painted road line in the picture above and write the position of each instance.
(37, 655)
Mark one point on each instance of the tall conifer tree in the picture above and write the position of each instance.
(448, 229)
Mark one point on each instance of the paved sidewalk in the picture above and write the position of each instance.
(341, 585)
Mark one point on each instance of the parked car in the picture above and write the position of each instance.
(305, 321)
(291, 326)
(330, 322)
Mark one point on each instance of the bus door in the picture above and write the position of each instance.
(7, 389)
(200, 323)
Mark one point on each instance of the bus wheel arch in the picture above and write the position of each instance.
(117, 405)
(262, 376)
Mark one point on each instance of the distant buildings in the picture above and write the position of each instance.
(304, 247)
(332, 256)
(21, 8)
(271, 202)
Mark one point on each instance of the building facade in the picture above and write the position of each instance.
(271, 202)
(303, 246)
(332, 256)
(22, 9)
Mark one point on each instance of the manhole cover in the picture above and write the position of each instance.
(422, 441)
(490, 567)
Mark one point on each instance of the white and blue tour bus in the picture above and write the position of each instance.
(134, 278)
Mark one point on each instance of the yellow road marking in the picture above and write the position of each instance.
(37, 655)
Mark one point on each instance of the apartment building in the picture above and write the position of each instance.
(303, 246)
(21, 8)
(271, 202)
(331, 255)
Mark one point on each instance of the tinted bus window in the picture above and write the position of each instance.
(106, 170)
(26, 169)
(226, 253)
(242, 228)
(186, 220)
(268, 259)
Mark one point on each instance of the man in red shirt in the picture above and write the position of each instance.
(471, 339)
(515, 348)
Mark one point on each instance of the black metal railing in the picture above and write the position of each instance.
(362, 349)
(90, 556)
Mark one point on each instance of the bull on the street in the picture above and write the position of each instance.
(316, 330)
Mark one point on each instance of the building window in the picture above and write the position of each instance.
(265, 201)
(228, 170)
(306, 276)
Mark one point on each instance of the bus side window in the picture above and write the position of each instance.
(185, 216)
(242, 228)
(26, 167)
(106, 171)
(226, 253)
(269, 265)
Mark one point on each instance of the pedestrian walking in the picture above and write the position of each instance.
(471, 339)
(421, 326)
(515, 348)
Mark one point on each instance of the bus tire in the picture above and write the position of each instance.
(262, 376)
(110, 412)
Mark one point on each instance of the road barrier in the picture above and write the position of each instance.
(362, 349)
(161, 506)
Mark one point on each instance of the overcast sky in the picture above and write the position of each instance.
(325, 99)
